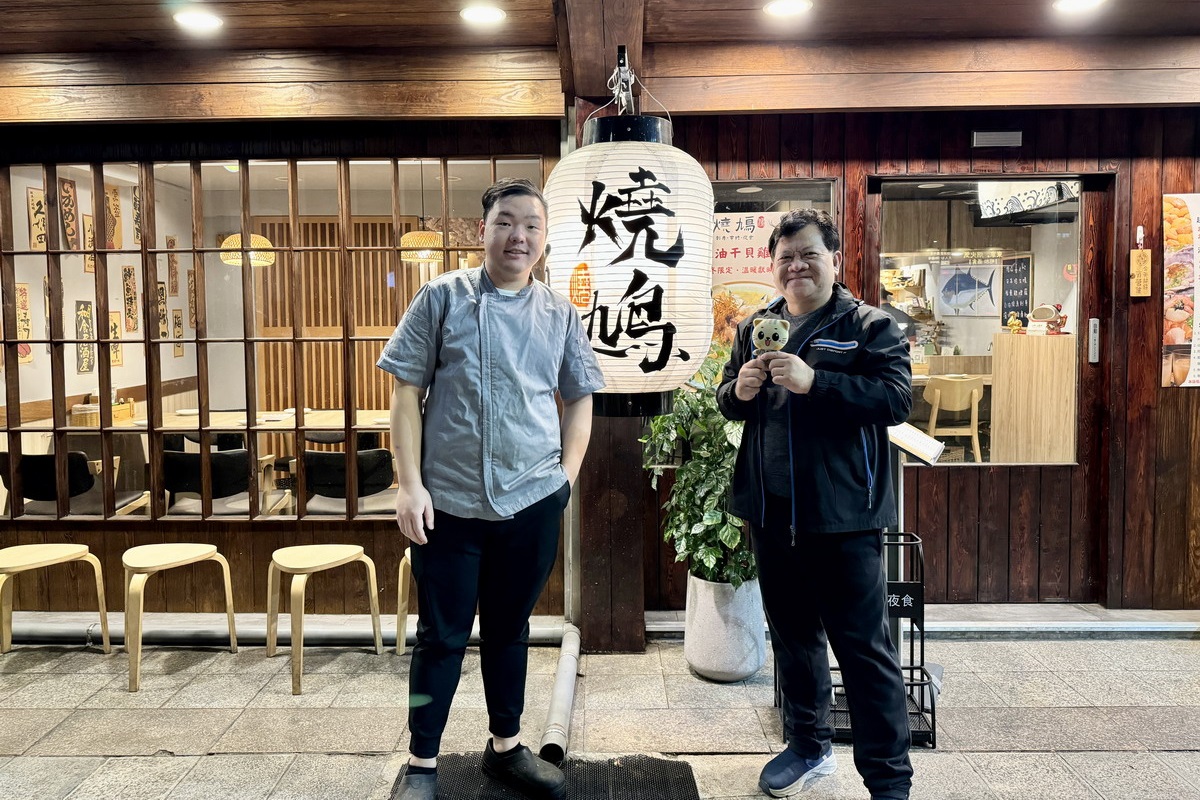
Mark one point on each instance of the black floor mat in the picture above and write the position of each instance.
(625, 778)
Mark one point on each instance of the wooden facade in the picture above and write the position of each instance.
(855, 103)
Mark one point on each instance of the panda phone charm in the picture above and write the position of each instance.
(769, 335)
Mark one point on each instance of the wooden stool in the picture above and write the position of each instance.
(402, 604)
(142, 562)
(300, 562)
(24, 557)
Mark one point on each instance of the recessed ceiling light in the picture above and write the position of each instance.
(482, 15)
(1077, 6)
(231, 167)
(787, 8)
(930, 185)
(198, 20)
(748, 189)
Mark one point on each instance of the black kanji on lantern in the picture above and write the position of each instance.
(644, 306)
(636, 208)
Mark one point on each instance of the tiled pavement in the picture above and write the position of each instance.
(1076, 718)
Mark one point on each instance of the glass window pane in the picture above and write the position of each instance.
(77, 229)
(81, 361)
(318, 200)
(173, 206)
(223, 297)
(220, 182)
(419, 219)
(323, 381)
(123, 210)
(273, 292)
(179, 396)
(467, 180)
(528, 168)
(321, 277)
(371, 203)
(373, 292)
(31, 226)
(226, 381)
(957, 266)
(276, 396)
(33, 357)
(127, 365)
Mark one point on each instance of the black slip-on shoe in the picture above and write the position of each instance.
(520, 769)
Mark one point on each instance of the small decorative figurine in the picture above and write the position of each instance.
(769, 334)
(1014, 323)
(1052, 315)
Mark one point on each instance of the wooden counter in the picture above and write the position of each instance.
(1034, 380)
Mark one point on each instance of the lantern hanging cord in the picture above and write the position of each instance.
(620, 83)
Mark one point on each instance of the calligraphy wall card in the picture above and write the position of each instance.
(24, 325)
(116, 356)
(89, 243)
(85, 328)
(137, 217)
(37, 218)
(112, 219)
(172, 268)
(191, 290)
(162, 310)
(130, 293)
(177, 330)
(68, 212)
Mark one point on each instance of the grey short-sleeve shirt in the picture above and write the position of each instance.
(491, 365)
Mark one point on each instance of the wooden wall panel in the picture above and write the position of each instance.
(1145, 315)
(1054, 512)
(932, 526)
(962, 535)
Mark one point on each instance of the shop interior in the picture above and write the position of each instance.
(983, 276)
(253, 340)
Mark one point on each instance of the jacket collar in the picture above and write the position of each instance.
(841, 302)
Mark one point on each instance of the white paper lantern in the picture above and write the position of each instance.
(630, 234)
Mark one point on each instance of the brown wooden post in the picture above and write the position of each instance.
(612, 519)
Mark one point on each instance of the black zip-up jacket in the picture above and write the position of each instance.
(841, 470)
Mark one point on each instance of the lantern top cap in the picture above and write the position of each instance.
(627, 128)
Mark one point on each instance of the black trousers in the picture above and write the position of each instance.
(502, 565)
(831, 587)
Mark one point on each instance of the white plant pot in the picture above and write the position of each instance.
(723, 637)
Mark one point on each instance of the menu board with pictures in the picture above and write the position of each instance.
(1017, 288)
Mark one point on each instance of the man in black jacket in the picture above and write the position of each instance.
(813, 479)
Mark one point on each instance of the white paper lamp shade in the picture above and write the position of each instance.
(630, 234)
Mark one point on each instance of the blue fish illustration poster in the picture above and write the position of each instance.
(968, 291)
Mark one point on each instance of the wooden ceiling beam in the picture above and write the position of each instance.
(916, 74)
(265, 101)
(595, 28)
(278, 66)
(898, 91)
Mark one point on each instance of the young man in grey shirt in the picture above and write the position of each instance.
(485, 468)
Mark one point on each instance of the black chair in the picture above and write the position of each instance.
(229, 484)
(39, 486)
(367, 440)
(223, 441)
(325, 482)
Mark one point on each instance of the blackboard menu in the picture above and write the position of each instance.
(1017, 288)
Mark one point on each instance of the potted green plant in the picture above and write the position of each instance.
(723, 631)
